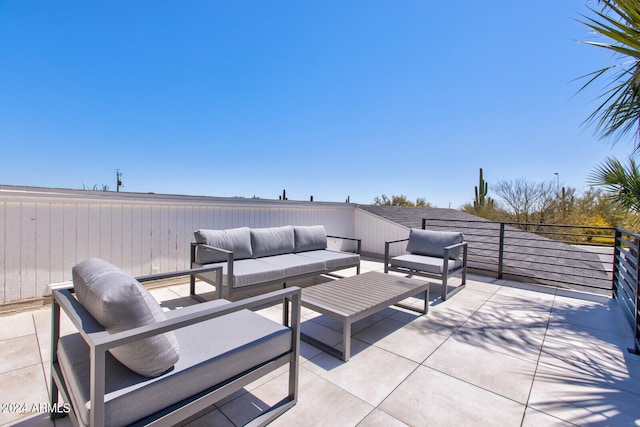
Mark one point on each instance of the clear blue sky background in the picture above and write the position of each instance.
(323, 98)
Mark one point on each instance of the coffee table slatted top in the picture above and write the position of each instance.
(353, 298)
(359, 294)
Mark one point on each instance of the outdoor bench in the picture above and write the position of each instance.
(433, 254)
(256, 257)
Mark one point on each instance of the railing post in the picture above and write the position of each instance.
(501, 251)
(636, 328)
(616, 254)
(424, 223)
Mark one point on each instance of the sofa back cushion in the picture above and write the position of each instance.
(272, 241)
(119, 302)
(432, 243)
(236, 240)
(310, 238)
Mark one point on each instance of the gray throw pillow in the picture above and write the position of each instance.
(432, 243)
(236, 240)
(272, 241)
(310, 238)
(119, 302)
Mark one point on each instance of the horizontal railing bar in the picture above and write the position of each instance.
(523, 250)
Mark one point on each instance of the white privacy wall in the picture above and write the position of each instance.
(375, 231)
(45, 232)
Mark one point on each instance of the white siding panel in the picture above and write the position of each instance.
(126, 240)
(3, 250)
(94, 236)
(69, 233)
(83, 232)
(28, 251)
(12, 251)
(43, 246)
(137, 241)
(56, 244)
(116, 234)
(375, 231)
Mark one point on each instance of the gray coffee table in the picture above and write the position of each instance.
(353, 298)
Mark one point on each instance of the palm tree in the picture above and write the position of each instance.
(621, 182)
(619, 111)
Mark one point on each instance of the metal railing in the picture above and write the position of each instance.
(588, 258)
(574, 256)
(626, 270)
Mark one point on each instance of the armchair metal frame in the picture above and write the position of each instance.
(446, 273)
(189, 409)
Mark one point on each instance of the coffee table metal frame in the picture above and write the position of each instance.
(353, 298)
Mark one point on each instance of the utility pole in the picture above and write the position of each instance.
(118, 180)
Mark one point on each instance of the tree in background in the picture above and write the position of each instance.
(618, 114)
(400, 200)
(528, 202)
(541, 203)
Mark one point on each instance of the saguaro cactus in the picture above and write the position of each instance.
(481, 193)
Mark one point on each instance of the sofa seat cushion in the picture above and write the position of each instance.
(333, 259)
(211, 352)
(236, 240)
(424, 263)
(295, 264)
(248, 272)
(432, 243)
(310, 238)
(272, 241)
(119, 302)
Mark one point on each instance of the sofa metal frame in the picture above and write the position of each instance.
(444, 277)
(189, 409)
(229, 285)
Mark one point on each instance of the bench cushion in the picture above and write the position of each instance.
(211, 352)
(333, 259)
(236, 240)
(119, 302)
(310, 238)
(248, 272)
(424, 263)
(295, 264)
(272, 241)
(432, 243)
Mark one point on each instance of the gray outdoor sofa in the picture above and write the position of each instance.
(433, 254)
(131, 363)
(255, 257)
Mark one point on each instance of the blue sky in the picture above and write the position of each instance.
(323, 98)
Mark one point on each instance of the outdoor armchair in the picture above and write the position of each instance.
(171, 367)
(433, 254)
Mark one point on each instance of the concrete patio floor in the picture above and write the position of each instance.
(499, 353)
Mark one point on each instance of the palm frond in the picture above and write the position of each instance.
(620, 182)
(618, 112)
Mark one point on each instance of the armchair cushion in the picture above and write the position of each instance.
(424, 263)
(432, 243)
(310, 238)
(236, 240)
(272, 241)
(119, 302)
